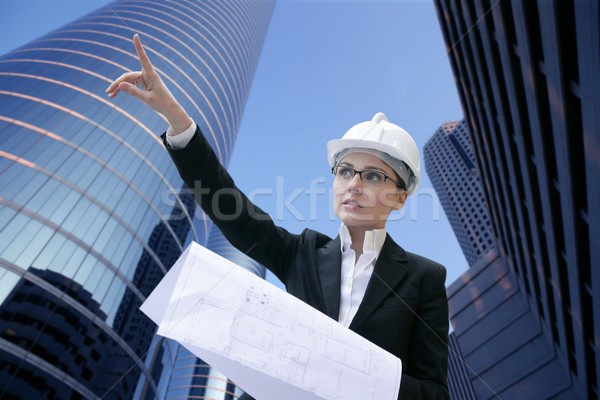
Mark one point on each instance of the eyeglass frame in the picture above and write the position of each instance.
(400, 186)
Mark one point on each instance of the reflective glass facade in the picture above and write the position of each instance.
(92, 211)
(528, 74)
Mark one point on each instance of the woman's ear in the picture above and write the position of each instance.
(394, 198)
(400, 199)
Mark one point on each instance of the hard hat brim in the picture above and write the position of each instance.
(334, 147)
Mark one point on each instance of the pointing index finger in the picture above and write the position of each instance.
(142, 56)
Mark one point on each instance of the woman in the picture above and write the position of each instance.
(361, 278)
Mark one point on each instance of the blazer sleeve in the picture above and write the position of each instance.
(246, 226)
(425, 375)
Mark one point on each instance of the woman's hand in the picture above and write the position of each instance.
(147, 86)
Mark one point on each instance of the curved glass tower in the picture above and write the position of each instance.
(92, 211)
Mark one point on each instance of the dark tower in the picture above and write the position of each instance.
(528, 75)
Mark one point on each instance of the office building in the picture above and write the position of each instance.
(92, 211)
(450, 165)
(476, 369)
(528, 78)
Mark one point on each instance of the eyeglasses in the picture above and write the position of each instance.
(368, 176)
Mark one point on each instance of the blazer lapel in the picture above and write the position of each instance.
(329, 259)
(390, 268)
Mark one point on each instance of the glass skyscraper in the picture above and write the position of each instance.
(488, 309)
(528, 75)
(92, 211)
(450, 164)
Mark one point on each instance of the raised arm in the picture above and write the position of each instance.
(245, 225)
(147, 86)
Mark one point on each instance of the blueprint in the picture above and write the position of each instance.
(268, 342)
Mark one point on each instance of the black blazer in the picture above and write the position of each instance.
(404, 310)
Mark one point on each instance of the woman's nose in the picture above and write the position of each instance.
(355, 183)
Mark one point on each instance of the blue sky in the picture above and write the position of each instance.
(325, 66)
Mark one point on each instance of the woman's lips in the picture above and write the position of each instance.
(351, 203)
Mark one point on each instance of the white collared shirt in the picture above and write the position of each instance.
(355, 275)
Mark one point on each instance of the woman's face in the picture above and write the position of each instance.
(364, 203)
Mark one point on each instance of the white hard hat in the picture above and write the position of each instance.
(381, 135)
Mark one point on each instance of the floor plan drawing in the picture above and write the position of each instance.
(219, 308)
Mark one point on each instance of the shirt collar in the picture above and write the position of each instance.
(373, 241)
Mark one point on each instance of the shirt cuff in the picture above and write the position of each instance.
(181, 140)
